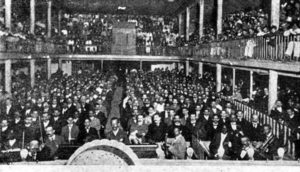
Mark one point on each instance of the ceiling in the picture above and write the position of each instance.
(141, 7)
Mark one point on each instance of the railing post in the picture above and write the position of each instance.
(32, 17)
(32, 72)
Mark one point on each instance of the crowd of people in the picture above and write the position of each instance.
(62, 110)
(182, 114)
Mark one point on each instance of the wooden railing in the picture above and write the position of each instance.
(31, 46)
(281, 131)
(273, 47)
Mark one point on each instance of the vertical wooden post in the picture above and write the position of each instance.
(48, 68)
(8, 14)
(273, 82)
(275, 12)
(8, 76)
(187, 32)
(219, 16)
(32, 17)
(49, 19)
(219, 78)
(201, 18)
(32, 72)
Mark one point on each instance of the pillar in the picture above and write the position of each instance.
(180, 20)
(32, 16)
(60, 64)
(187, 32)
(49, 23)
(8, 76)
(8, 14)
(251, 84)
(32, 72)
(187, 67)
(219, 78)
(273, 81)
(141, 65)
(219, 16)
(48, 68)
(200, 69)
(201, 18)
(102, 66)
(233, 80)
(59, 22)
(275, 12)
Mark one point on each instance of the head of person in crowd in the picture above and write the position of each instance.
(87, 123)
(157, 119)
(115, 124)
(70, 120)
(28, 121)
(267, 130)
(50, 131)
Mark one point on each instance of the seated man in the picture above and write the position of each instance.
(70, 131)
(156, 131)
(220, 144)
(87, 134)
(268, 148)
(117, 133)
(52, 142)
(138, 131)
(178, 145)
(12, 143)
(247, 151)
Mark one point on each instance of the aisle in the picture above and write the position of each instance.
(115, 106)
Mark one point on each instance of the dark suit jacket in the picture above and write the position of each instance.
(121, 136)
(254, 134)
(58, 124)
(84, 137)
(211, 131)
(74, 132)
(156, 133)
(215, 144)
(53, 145)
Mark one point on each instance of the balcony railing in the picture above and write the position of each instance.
(8, 45)
(271, 47)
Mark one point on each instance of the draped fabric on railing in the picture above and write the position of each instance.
(281, 131)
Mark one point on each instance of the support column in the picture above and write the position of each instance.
(102, 65)
(48, 68)
(59, 22)
(275, 12)
(32, 72)
(219, 78)
(141, 65)
(187, 32)
(251, 84)
(8, 76)
(8, 14)
(233, 80)
(49, 18)
(273, 81)
(200, 69)
(201, 18)
(219, 16)
(32, 16)
(60, 64)
(180, 20)
(187, 67)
